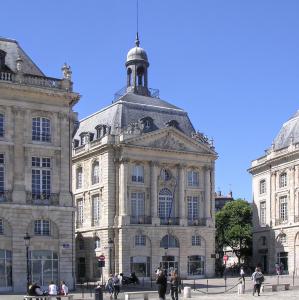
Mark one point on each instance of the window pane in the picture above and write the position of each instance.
(1, 125)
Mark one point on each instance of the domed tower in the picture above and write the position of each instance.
(137, 64)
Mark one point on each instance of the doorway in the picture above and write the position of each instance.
(169, 264)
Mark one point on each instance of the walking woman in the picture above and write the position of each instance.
(174, 285)
(162, 285)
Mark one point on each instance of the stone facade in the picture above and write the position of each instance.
(36, 124)
(143, 180)
(275, 187)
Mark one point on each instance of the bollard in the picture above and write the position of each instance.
(187, 292)
(241, 289)
(98, 293)
(194, 285)
(225, 282)
(207, 285)
(293, 278)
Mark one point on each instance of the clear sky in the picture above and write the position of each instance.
(232, 65)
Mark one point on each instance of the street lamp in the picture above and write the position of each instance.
(27, 238)
(110, 245)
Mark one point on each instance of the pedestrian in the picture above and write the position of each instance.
(242, 274)
(116, 285)
(109, 286)
(53, 290)
(161, 284)
(257, 278)
(64, 290)
(35, 290)
(174, 285)
(277, 269)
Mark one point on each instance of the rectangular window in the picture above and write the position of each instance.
(193, 178)
(41, 129)
(2, 176)
(262, 186)
(283, 180)
(196, 241)
(1, 226)
(263, 213)
(283, 208)
(140, 240)
(137, 204)
(79, 178)
(1, 125)
(42, 227)
(41, 178)
(96, 208)
(193, 207)
(137, 173)
(80, 211)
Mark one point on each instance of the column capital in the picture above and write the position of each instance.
(154, 163)
(124, 160)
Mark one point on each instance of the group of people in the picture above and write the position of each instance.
(113, 285)
(175, 284)
(53, 290)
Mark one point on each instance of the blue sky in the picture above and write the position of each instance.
(232, 65)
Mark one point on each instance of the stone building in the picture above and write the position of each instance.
(221, 200)
(36, 123)
(143, 184)
(275, 185)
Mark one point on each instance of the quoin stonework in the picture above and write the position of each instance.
(143, 184)
(275, 187)
(36, 125)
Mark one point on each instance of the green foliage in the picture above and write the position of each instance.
(234, 228)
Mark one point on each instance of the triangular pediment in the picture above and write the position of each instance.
(170, 139)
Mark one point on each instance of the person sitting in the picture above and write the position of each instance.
(53, 290)
(64, 290)
(35, 290)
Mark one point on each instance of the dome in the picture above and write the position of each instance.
(137, 53)
(288, 134)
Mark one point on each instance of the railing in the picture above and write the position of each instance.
(28, 79)
(6, 76)
(197, 222)
(140, 220)
(170, 221)
(42, 198)
(280, 221)
(5, 196)
(154, 93)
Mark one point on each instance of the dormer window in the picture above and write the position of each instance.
(147, 124)
(173, 123)
(86, 137)
(101, 131)
(75, 143)
(2, 59)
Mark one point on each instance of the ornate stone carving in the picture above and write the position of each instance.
(168, 142)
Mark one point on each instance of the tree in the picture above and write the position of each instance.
(234, 228)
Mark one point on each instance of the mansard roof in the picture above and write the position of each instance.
(13, 51)
(130, 109)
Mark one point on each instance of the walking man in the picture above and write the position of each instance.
(257, 278)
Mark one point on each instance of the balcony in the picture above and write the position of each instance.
(197, 222)
(42, 198)
(140, 220)
(280, 222)
(170, 221)
(5, 196)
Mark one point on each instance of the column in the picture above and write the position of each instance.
(272, 205)
(154, 192)
(123, 190)
(291, 216)
(19, 156)
(296, 213)
(181, 189)
(207, 192)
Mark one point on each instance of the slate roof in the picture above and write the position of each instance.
(130, 108)
(288, 133)
(13, 51)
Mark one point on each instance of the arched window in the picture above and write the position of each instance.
(169, 241)
(41, 129)
(140, 73)
(166, 208)
(79, 177)
(129, 76)
(95, 170)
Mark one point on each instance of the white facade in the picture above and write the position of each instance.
(144, 179)
(36, 123)
(275, 187)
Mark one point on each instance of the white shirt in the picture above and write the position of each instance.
(65, 289)
(53, 289)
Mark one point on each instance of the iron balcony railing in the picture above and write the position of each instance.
(42, 198)
(154, 93)
(170, 221)
(5, 196)
(197, 222)
(140, 220)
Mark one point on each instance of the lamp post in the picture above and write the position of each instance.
(110, 245)
(27, 238)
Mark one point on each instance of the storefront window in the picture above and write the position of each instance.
(44, 266)
(282, 259)
(141, 266)
(5, 268)
(196, 265)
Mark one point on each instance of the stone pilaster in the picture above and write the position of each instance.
(207, 193)
(123, 192)
(181, 188)
(154, 192)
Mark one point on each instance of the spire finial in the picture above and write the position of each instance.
(137, 42)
